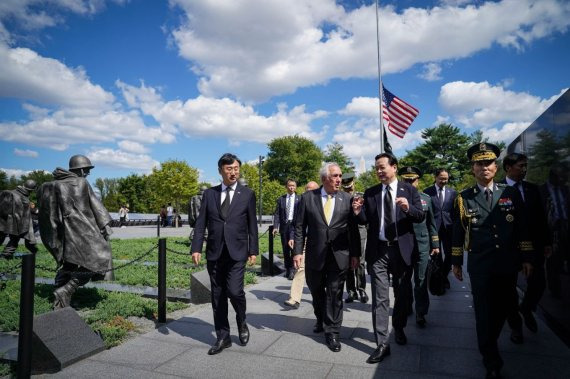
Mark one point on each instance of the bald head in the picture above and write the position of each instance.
(311, 186)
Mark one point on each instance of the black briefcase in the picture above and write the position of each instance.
(435, 275)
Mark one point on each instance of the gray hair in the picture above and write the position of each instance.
(326, 169)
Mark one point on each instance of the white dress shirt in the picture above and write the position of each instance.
(393, 191)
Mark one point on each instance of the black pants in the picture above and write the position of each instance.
(12, 244)
(445, 246)
(287, 255)
(389, 261)
(326, 288)
(226, 279)
(493, 299)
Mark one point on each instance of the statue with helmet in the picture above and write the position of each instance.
(16, 220)
(74, 227)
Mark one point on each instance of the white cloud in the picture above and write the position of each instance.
(15, 172)
(26, 153)
(255, 49)
(507, 132)
(483, 105)
(362, 107)
(226, 118)
(27, 75)
(431, 72)
(132, 147)
(122, 159)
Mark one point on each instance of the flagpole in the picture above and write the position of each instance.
(379, 81)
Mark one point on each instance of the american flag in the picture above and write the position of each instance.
(398, 114)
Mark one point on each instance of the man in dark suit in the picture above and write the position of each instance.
(515, 166)
(390, 209)
(489, 224)
(228, 213)
(283, 223)
(443, 198)
(324, 218)
(556, 200)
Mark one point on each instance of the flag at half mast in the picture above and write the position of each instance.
(398, 114)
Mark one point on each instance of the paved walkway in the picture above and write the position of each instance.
(282, 345)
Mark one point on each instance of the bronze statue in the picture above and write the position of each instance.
(194, 209)
(16, 220)
(74, 227)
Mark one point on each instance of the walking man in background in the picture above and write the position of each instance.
(283, 223)
(443, 198)
(228, 214)
(298, 283)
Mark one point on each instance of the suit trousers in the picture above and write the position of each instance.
(390, 260)
(298, 282)
(493, 299)
(226, 279)
(326, 288)
(287, 255)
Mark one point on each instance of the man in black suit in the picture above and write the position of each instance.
(283, 223)
(389, 209)
(442, 198)
(228, 212)
(324, 218)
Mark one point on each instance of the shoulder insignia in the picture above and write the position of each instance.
(525, 246)
(457, 251)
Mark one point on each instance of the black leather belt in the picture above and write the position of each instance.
(387, 243)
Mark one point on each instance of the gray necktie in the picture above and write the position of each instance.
(489, 197)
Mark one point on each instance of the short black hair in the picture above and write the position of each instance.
(290, 180)
(392, 160)
(227, 159)
(512, 159)
(439, 171)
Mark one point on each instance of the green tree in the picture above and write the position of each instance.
(444, 146)
(133, 190)
(542, 155)
(293, 157)
(271, 189)
(39, 176)
(334, 153)
(175, 182)
(3, 180)
(366, 180)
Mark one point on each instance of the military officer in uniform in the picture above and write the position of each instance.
(427, 243)
(489, 225)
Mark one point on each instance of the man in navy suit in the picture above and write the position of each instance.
(283, 223)
(442, 198)
(228, 212)
(390, 209)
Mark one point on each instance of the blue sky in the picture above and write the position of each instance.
(133, 83)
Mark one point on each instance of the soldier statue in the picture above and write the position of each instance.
(490, 226)
(194, 209)
(16, 220)
(74, 227)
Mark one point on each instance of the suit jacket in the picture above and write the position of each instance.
(443, 214)
(280, 216)
(496, 238)
(535, 216)
(425, 231)
(238, 231)
(372, 211)
(340, 238)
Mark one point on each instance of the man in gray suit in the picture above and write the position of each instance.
(325, 219)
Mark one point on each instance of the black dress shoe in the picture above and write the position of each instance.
(291, 274)
(517, 336)
(363, 297)
(401, 338)
(318, 328)
(243, 334)
(378, 355)
(351, 297)
(421, 320)
(530, 321)
(287, 273)
(292, 304)
(333, 343)
(219, 346)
